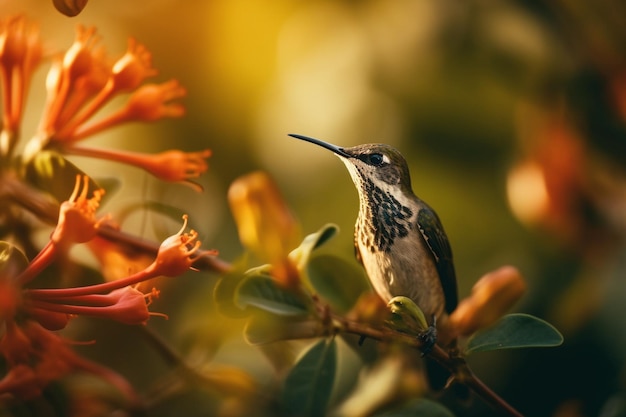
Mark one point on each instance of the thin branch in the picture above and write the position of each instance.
(46, 209)
(456, 365)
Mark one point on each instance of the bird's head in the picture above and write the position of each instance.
(376, 163)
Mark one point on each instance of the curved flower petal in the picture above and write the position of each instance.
(77, 223)
(133, 67)
(177, 253)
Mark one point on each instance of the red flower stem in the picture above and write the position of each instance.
(112, 377)
(101, 311)
(51, 293)
(41, 261)
(95, 300)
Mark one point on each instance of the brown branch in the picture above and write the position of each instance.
(206, 262)
(455, 364)
(46, 209)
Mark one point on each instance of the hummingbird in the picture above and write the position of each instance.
(399, 238)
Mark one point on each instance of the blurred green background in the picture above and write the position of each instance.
(511, 114)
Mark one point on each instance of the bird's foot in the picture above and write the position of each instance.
(429, 337)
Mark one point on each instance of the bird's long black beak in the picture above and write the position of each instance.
(336, 149)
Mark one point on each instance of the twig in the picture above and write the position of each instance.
(46, 209)
(456, 365)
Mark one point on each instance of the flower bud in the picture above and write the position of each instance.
(492, 296)
(70, 8)
(265, 223)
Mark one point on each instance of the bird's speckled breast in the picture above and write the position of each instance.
(382, 218)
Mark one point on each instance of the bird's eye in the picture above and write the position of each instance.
(376, 159)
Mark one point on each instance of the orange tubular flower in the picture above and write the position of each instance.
(75, 64)
(20, 54)
(177, 253)
(125, 76)
(77, 223)
(172, 165)
(132, 68)
(149, 103)
(115, 300)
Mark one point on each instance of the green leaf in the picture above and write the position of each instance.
(422, 408)
(310, 383)
(267, 328)
(300, 256)
(261, 291)
(226, 289)
(337, 281)
(51, 172)
(515, 331)
(12, 261)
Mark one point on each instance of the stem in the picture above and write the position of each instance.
(92, 107)
(99, 311)
(81, 132)
(456, 365)
(55, 293)
(113, 377)
(487, 394)
(41, 261)
(13, 189)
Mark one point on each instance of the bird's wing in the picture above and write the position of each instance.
(430, 226)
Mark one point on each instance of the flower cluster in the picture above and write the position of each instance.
(80, 82)
(34, 354)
